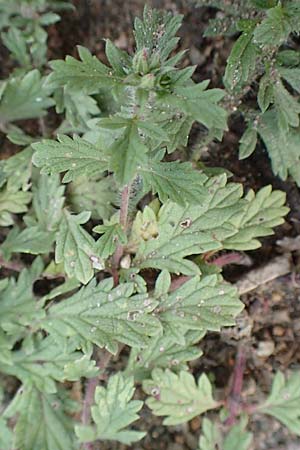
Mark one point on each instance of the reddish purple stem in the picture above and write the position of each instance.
(234, 400)
(90, 394)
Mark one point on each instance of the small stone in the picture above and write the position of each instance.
(125, 262)
(276, 297)
(278, 330)
(265, 349)
(195, 424)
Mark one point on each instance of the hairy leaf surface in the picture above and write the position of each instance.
(223, 220)
(74, 156)
(284, 400)
(113, 412)
(75, 247)
(178, 396)
(104, 316)
(236, 439)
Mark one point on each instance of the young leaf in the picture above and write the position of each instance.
(198, 104)
(113, 412)
(75, 247)
(178, 396)
(199, 304)
(127, 153)
(18, 307)
(262, 212)
(6, 434)
(283, 402)
(74, 156)
(96, 194)
(165, 352)
(265, 94)
(174, 180)
(24, 98)
(288, 108)
(284, 162)
(48, 200)
(157, 32)
(15, 41)
(211, 437)
(119, 60)
(292, 76)
(236, 439)
(248, 142)
(162, 284)
(88, 75)
(42, 423)
(275, 28)
(144, 227)
(112, 235)
(12, 202)
(242, 60)
(78, 107)
(18, 170)
(30, 240)
(47, 362)
(104, 316)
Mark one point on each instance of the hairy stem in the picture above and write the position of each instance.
(90, 393)
(123, 222)
(234, 400)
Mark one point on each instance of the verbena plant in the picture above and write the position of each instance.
(122, 245)
(265, 61)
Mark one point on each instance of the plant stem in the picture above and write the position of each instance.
(90, 394)
(11, 265)
(228, 258)
(179, 281)
(234, 400)
(123, 222)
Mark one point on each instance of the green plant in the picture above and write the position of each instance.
(147, 282)
(264, 60)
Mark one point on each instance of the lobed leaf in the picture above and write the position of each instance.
(42, 423)
(12, 202)
(275, 28)
(283, 402)
(178, 396)
(95, 194)
(89, 74)
(76, 248)
(30, 240)
(176, 181)
(18, 306)
(248, 142)
(74, 156)
(112, 236)
(104, 316)
(164, 352)
(45, 362)
(199, 304)
(224, 220)
(24, 98)
(48, 200)
(113, 412)
(242, 60)
(236, 439)
(284, 163)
